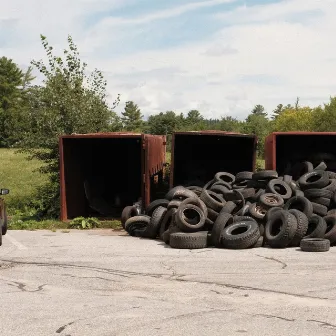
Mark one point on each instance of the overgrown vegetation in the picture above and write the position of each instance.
(72, 100)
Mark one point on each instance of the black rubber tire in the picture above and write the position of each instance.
(315, 179)
(248, 193)
(190, 225)
(197, 190)
(219, 189)
(271, 200)
(319, 209)
(198, 202)
(244, 211)
(167, 221)
(298, 192)
(128, 212)
(302, 227)
(233, 195)
(153, 228)
(240, 204)
(258, 194)
(183, 194)
(317, 227)
(240, 235)
(137, 221)
(5, 223)
(221, 183)
(317, 193)
(331, 186)
(196, 240)
(331, 212)
(331, 175)
(212, 214)
(330, 233)
(280, 237)
(301, 168)
(208, 224)
(293, 185)
(321, 200)
(265, 175)
(257, 184)
(241, 185)
(257, 211)
(300, 203)
(229, 207)
(212, 200)
(259, 243)
(170, 193)
(168, 232)
(279, 187)
(287, 178)
(223, 220)
(321, 166)
(174, 204)
(262, 229)
(244, 176)
(237, 219)
(315, 245)
(153, 205)
(270, 211)
(226, 177)
(180, 193)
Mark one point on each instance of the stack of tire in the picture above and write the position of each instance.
(245, 211)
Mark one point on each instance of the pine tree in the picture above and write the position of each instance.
(259, 110)
(132, 117)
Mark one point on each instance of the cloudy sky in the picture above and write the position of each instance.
(219, 56)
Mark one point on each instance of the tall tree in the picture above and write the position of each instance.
(279, 109)
(70, 101)
(132, 117)
(194, 117)
(27, 77)
(259, 125)
(259, 110)
(10, 81)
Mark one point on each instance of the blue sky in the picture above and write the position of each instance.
(219, 56)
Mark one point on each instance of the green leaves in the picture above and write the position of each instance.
(82, 223)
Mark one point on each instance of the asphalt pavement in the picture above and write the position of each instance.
(107, 283)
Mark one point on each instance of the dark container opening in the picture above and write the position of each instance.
(292, 148)
(101, 175)
(198, 156)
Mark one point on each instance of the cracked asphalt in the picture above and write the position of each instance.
(107, 283)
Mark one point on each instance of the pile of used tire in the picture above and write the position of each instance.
(245, 211)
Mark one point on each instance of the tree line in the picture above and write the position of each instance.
(69, 100)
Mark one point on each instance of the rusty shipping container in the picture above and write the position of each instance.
(102, 173)
(198, 156)
(283, 148)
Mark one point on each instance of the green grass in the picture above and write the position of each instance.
(17, 223)
(20, 176)
(168, 157)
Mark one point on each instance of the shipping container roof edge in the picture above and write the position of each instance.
(107, 135)
(214, 132)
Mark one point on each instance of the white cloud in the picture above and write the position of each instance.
(267, 54)
(164, 14)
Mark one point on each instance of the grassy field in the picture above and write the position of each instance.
(20, 176)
